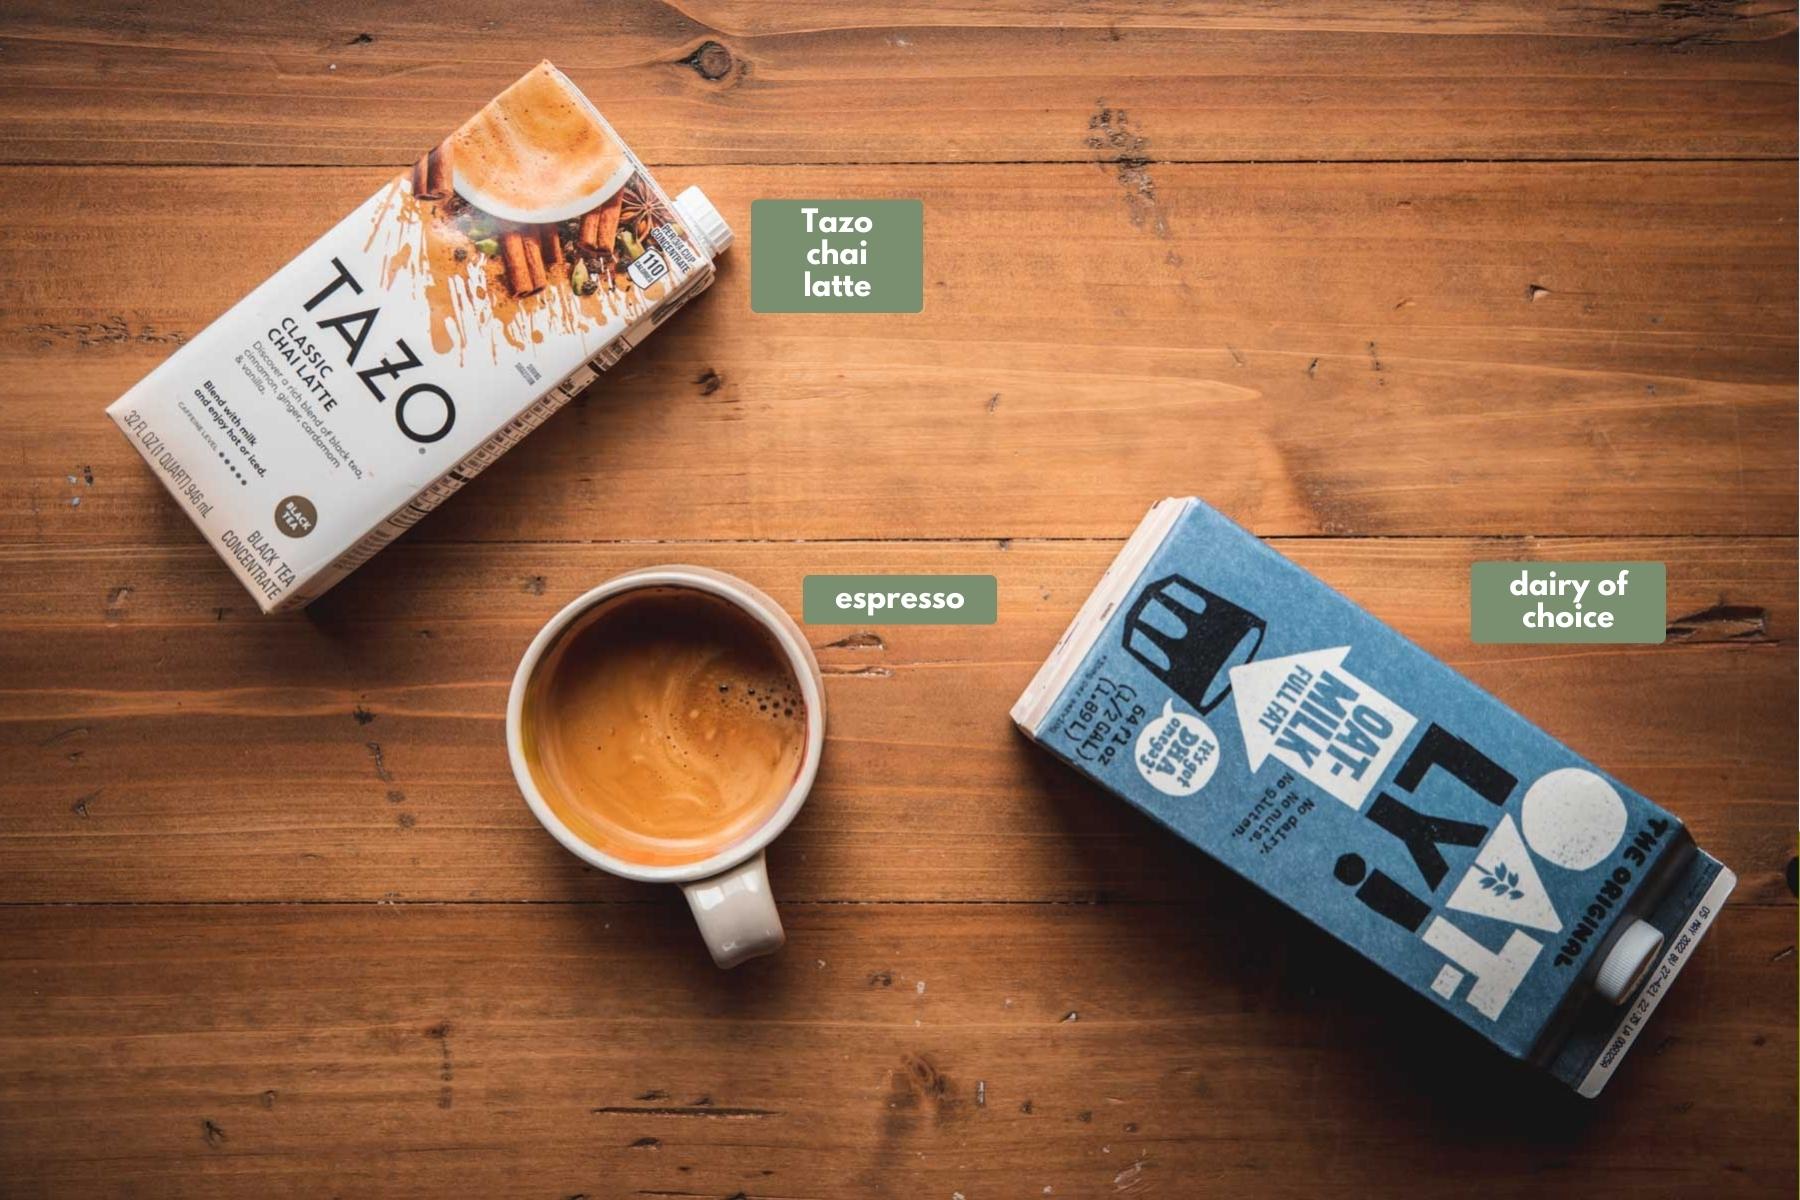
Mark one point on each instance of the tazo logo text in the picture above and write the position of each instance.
(422, 422)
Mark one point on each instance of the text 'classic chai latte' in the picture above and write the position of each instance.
(419, 340)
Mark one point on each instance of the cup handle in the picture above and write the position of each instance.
(736, 912)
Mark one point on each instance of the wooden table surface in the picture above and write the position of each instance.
(1399, 286)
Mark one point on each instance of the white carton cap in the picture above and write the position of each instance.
(698, 214)
(1627, 961)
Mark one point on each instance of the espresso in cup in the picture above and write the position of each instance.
(664, 726)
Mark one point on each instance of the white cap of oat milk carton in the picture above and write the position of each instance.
(1628, 960)
(698, 214)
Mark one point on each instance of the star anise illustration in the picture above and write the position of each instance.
(641, 211)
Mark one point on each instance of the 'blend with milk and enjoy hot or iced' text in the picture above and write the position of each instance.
(415, 343)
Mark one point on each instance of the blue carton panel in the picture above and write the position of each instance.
(1271, 722)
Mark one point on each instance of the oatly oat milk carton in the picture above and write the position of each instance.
(414, 344)
(1266, 719)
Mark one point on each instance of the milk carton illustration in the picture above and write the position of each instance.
(1255, 712)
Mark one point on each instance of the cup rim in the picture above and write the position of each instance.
(549, 214)
(747, 599)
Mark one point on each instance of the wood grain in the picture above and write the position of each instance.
(1450, 349)
(161, 741)
(557, 1050)
(1403, 286)
(715, 83)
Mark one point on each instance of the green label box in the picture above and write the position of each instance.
(834, 256)
(900, 599)
(1568, 602)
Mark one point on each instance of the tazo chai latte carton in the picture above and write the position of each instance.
(415, 343)
(1266, 719)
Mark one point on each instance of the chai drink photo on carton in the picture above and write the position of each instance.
(411, 346)
(823, 764)
(1261, 716)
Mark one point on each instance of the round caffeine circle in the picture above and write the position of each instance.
(296, 516)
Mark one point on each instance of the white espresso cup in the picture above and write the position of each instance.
(728, 892)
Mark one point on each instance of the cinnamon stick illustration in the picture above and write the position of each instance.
(551, 242)
(524, 263)
(431, 174)
(599, 227)
(534, 260)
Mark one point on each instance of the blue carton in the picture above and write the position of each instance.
(1266, 719)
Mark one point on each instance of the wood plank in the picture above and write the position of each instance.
(1452, 349)
(161, 741)
(927, 1050)
(212, 82)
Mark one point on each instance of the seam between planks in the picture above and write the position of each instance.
(1446, 160)
(39, 547)
(527, 902)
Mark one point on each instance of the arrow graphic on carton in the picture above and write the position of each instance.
(1312, 713)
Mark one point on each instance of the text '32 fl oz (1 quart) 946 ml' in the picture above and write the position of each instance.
(416, 342)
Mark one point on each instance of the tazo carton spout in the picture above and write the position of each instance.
(1266, 719)
(414, 344)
